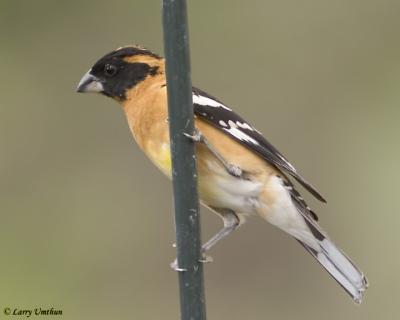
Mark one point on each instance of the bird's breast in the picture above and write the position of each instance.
(160, 155)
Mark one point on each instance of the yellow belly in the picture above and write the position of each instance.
(161, 157)
(217, 188)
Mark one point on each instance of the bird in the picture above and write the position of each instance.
(240, 173)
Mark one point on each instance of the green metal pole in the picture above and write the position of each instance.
(184, 175)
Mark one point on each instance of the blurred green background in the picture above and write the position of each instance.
(86, 221)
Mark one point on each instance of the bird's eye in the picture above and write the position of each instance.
(110, 70)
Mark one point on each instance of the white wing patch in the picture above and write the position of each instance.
(222, 123)
(232, 127)
(239, 134)
(244, 125)
(205, 101)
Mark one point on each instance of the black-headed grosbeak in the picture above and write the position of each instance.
(239, 172)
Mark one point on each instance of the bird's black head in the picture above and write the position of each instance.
(120, 70)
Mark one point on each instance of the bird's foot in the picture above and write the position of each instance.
(234, 170)
(205, 258)
(174, 266)
(195, 137)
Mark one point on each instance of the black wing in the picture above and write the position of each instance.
(216, 113)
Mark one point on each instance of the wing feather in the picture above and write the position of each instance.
(222, 117)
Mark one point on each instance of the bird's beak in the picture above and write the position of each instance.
(90, 83)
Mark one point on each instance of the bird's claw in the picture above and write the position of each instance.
(196, 137)
(205, 258)
(174, 266)
(235, 170)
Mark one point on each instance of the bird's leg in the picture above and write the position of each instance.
(199, 137)
(231, 222)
